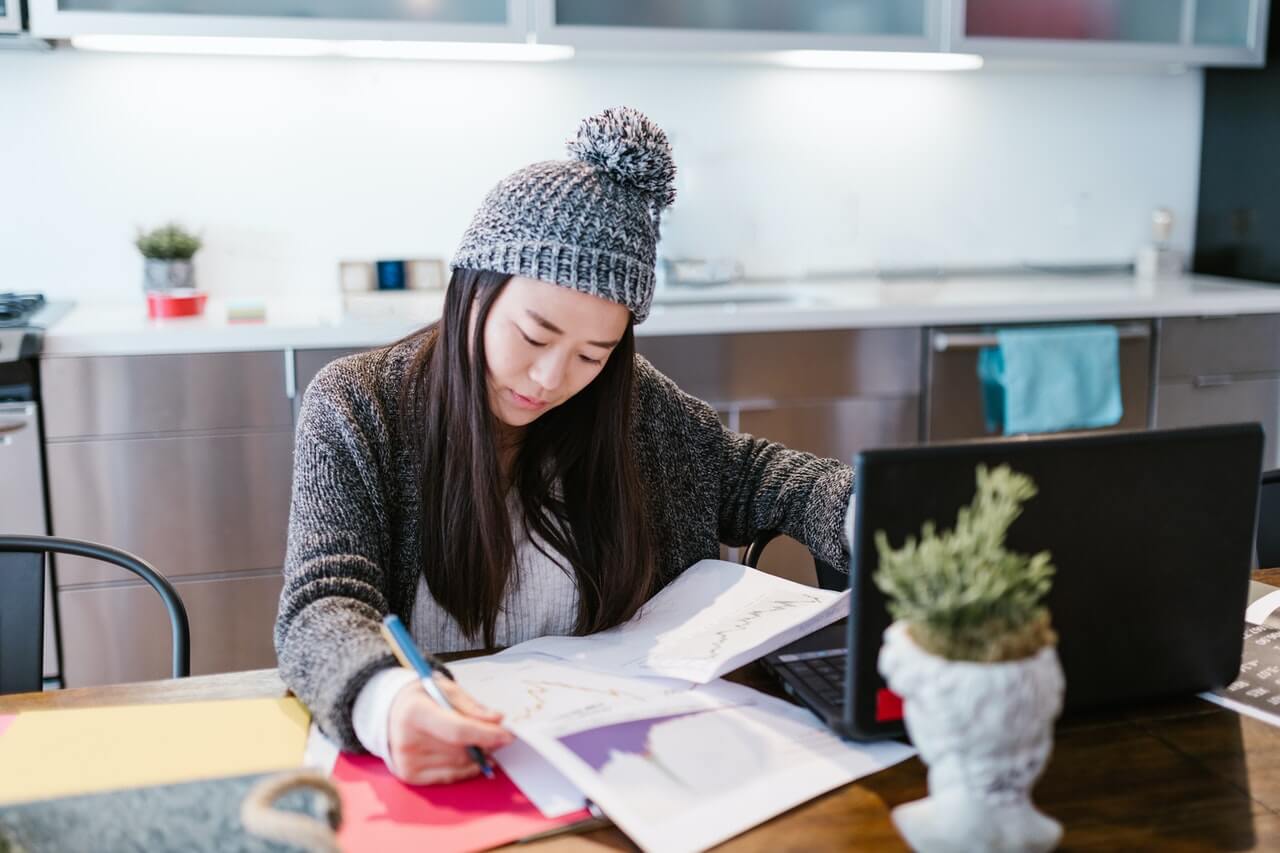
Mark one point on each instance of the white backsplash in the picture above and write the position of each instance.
(288, 165)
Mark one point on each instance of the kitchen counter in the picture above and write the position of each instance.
(123, 329)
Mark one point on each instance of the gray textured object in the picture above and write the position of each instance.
(168, 275)
(354, 543)
(590, 223)
(192, 816)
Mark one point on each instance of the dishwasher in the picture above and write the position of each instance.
(952, 406)
(22, 507)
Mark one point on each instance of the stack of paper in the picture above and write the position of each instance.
(635, 718)
(1256, 690)
(676, 766)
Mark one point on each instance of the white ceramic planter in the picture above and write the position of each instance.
(985, 730)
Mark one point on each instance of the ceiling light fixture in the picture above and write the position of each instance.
(878, 60)
(364, 49)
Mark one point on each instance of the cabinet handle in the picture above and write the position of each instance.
(14, 426)
(290, 375)
(943, 341)
(1210, 381)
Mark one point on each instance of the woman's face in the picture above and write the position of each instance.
(544, 343)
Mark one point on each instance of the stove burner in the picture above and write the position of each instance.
(17, 308)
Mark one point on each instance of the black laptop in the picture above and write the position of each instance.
(1152, 535)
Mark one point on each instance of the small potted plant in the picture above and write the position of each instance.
(973, 656)
(168, 250)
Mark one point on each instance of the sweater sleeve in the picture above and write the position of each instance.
(762, 484)
(326, 635)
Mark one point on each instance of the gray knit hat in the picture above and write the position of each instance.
(589, 223)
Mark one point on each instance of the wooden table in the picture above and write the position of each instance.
(1184, 775)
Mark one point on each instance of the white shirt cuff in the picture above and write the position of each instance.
(371, 714)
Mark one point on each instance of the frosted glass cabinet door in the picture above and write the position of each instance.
(741, 24)
(1224, 22)
(10, 16)
(1191, 32)
(849, 17)
(1158, 21)
(438, 11)
(443, 20)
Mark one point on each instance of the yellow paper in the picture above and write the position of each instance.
(82, 750)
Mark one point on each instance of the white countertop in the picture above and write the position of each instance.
(123, 329)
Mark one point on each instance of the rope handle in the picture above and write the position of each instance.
(315, 834)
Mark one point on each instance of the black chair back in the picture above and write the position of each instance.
(1269, 521)
(829, 577)
(22, 605)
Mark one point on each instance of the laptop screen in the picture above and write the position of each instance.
(1151, 534)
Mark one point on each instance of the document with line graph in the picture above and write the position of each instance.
(685, 771)
(533, 690)
(714, 618)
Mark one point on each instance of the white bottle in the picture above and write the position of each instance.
(1158, 260)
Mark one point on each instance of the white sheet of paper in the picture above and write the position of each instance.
(535, 688)
(687, 771)
(320, 753)
(712, 619)
(1261, 610)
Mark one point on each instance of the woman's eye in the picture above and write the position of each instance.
(531, 341)
(590, 360)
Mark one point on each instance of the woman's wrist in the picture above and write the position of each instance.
(371, 712)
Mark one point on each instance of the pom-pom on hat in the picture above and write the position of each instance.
(589, 223)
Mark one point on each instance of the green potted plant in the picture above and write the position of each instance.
(973, 656)
(168, 251)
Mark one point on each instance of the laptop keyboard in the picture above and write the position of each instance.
(822, 672)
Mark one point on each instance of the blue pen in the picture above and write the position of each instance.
(406, 651)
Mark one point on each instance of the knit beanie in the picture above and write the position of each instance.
(589, 223)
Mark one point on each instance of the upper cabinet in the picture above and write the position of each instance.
(1195, 32)
(741, 25)
(435, 20)
(1190, 32)
(10, 16)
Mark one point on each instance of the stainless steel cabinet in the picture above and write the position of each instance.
(1216, 400)
(121, 633)
(831, 393)
(147, 394)
(953, 407)
(22, 498)
(188, 504)
(1221, 370)
(186, 460)
(838, 429)
(772, 367)
(1216, 346)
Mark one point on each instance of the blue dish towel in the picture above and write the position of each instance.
(1050, 378)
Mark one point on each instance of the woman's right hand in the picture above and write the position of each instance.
(428, 743)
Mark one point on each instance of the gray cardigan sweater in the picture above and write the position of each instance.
(353, 550)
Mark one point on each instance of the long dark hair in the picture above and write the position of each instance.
(578, 485)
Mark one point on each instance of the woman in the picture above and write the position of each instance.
(515, 470)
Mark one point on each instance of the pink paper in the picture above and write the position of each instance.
(379, 812)
(6, 720)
